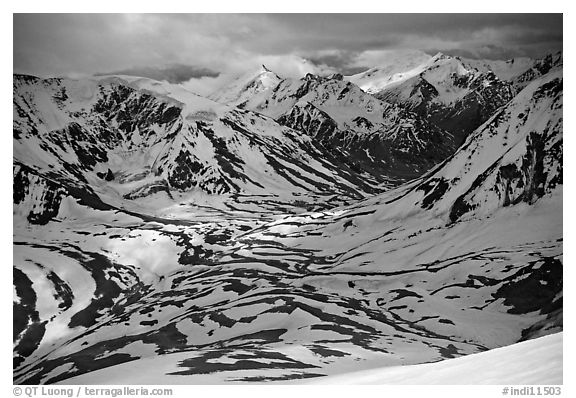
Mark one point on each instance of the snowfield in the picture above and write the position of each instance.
(533, 362)
(537, 361)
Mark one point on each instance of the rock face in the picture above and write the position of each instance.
(37, 199)
(160, 237)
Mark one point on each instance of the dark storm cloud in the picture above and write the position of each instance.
(339, 60)
(172, 73)
(357, 32)
(69, 44)
(91, 43)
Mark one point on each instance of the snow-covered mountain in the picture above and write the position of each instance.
(456, 94)
(504, 70)
(519, 71)
(244, 87)
(380, 139)
(207, 288)
(540, 67)
(449, 93)
(113, 139)
(399, 66)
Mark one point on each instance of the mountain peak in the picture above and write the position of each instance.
(439, 55)
(310, 76)
(245, 86)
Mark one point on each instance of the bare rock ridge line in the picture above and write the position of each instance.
(285, 229)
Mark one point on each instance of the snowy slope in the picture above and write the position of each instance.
(400, 65)
(536, 361)
(505, 70)
(441, 267)
(533, 362)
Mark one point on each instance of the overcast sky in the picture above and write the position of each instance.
(206, 48)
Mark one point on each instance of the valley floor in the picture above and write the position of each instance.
(232, 297)
(534, 362)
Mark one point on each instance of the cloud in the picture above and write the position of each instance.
(290, 65)
(404, 57)
(293, 65)
(206, 85)
(69, 44)
(336, 59)
(176, 73)
(53, 44)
